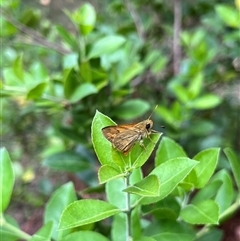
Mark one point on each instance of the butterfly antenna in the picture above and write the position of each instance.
(153, 111)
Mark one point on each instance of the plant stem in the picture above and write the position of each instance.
(18, 232)
(230, 210)
(136, 20)
(128, 211)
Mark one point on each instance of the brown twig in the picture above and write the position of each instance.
(35, 36)
(136, 20)
(176, 36)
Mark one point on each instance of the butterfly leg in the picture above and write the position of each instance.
(150, 139)
(141, 144)
(150, 134)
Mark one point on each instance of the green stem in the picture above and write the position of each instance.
(203, 231)
(229, 211)
(82, 49)
(18, 232)
(128, 211)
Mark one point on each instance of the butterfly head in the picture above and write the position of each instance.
(148, 125)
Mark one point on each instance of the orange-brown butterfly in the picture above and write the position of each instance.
(123, 137)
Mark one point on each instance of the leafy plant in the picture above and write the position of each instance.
(58, 77)
(116, 61)
(158, 206)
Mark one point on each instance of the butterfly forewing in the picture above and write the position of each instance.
(110, 132)
(125, 141)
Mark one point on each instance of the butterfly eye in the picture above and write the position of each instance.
(148, 126)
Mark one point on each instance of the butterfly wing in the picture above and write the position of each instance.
(124, 141)
(110, 132)
(123, 137)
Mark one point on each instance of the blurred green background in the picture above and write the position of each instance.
(62, 60)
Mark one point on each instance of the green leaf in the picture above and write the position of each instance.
(133, 70)
(181, 93)
(139, 155)
(101, 145)
(85, 235)
(204, 102)
(67, 161)
(85, 18)
(44, 233)
(195, 85)
(205, 212)
(147, 187)
(59, 200)
(70, 133)
(86, 71)
(159, 64)
(224, 196)
(168, 208)
(30, 17)
(131, 109)
(207, 163)
(213, 234)
(168, 236)
(6, 179)
(228, 14)
(114, 194)
(85, 212)
(106, 45)
(122, 161)
(170, 230)
(145, 239)
(197, 37)
(151, 57)
(107, 173)
(164, 213)
(169, 179)
(67, 37)
(39, 72)
(166, 115)
(18, 67)
(36, 92)
(70, 61)
(70, 82)
(88, 18)
(207, 192)
(98, 76)
(118, 227)
(201, 127)
(200, 53)
(82, 91)
(7, 29)
(235, 165)
(168, 149)
(186, 38)
(136, 222)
